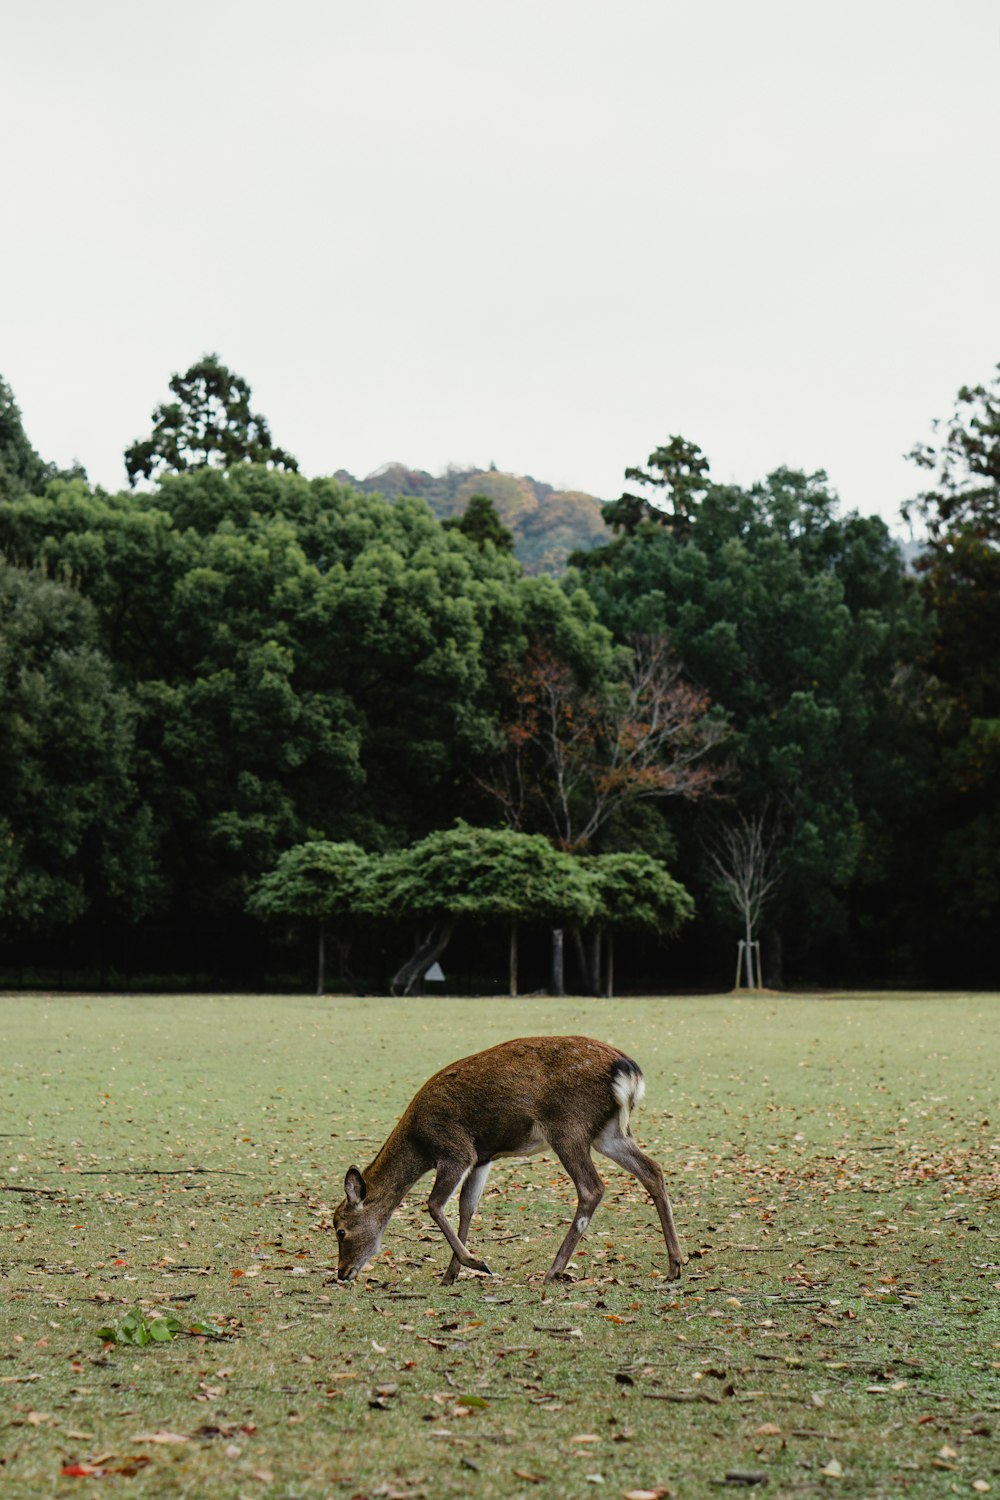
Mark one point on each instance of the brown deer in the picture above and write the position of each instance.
(565, 1092)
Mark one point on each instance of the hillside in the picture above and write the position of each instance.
(547, 524)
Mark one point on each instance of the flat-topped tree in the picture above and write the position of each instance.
(316, 883)
(475, 875)
(632, 892)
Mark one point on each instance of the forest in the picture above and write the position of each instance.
(247, 714)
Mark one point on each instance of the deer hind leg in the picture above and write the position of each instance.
(579, 1163)
(472, 1189)
(623, 1149)
(449, 1175)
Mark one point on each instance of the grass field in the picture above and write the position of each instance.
(835, 1172)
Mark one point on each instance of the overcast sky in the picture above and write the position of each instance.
(543, 233)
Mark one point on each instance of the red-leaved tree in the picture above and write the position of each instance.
(571, 756)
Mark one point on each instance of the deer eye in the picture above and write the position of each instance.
(341, 1234)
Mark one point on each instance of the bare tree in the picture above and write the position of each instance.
(745, 860)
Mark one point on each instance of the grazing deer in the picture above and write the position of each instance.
(565, 1092)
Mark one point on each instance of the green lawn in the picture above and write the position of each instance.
(835, 1172)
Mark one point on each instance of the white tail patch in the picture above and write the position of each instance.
(628, 1089)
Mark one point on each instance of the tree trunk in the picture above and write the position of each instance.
(321, 963)
(557, 962)
(409, 974)
(609, 988)
(513, 958)
(343, 960)
(588, 954)
(774, 950)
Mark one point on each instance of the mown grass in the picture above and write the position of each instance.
(835, 1173)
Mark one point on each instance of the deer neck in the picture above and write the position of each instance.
(395, 1169)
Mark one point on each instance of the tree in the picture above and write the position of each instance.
(632, 892)
(22, 471)
(573, 755)
(744, 859)
(481, 523)
(75, 838)
(966, 496)
(209, 423)
(804, 629)
(479, 875)
(320, 883)
(675, 481)
(306, 662)
(960, 575)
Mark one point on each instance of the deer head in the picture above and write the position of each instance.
(359, 1227)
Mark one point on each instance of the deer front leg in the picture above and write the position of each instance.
(472, 1189)
(623, 1150)
(589, 1192)
(450, 1174)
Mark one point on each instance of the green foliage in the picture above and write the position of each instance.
(302, 662)
(960, 577)
(208, 422)
(22, 471)
(796, 622)
(138, 1328)
(229, 685)
(481, 875)
(481, 523)
(635, 892)
(966, 493)
(74, 836)
(679, 471)
(317, 880)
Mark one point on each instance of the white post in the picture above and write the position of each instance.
(739, 961)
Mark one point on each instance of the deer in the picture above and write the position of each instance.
(564, 1093)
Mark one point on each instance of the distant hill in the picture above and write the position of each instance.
(547, 524)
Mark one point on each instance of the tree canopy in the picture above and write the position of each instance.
(209, 422)
(239, 692)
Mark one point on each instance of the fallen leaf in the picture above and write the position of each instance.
(585, 1437)
(832, 1470)
(160, 1437)
(660, 1493)
(767, 1429)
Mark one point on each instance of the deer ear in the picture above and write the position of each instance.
(354, 1187)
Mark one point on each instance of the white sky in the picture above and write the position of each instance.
(546, 233)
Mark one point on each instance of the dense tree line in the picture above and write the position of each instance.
(234, 690)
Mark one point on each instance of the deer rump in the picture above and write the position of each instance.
(567, 1094)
